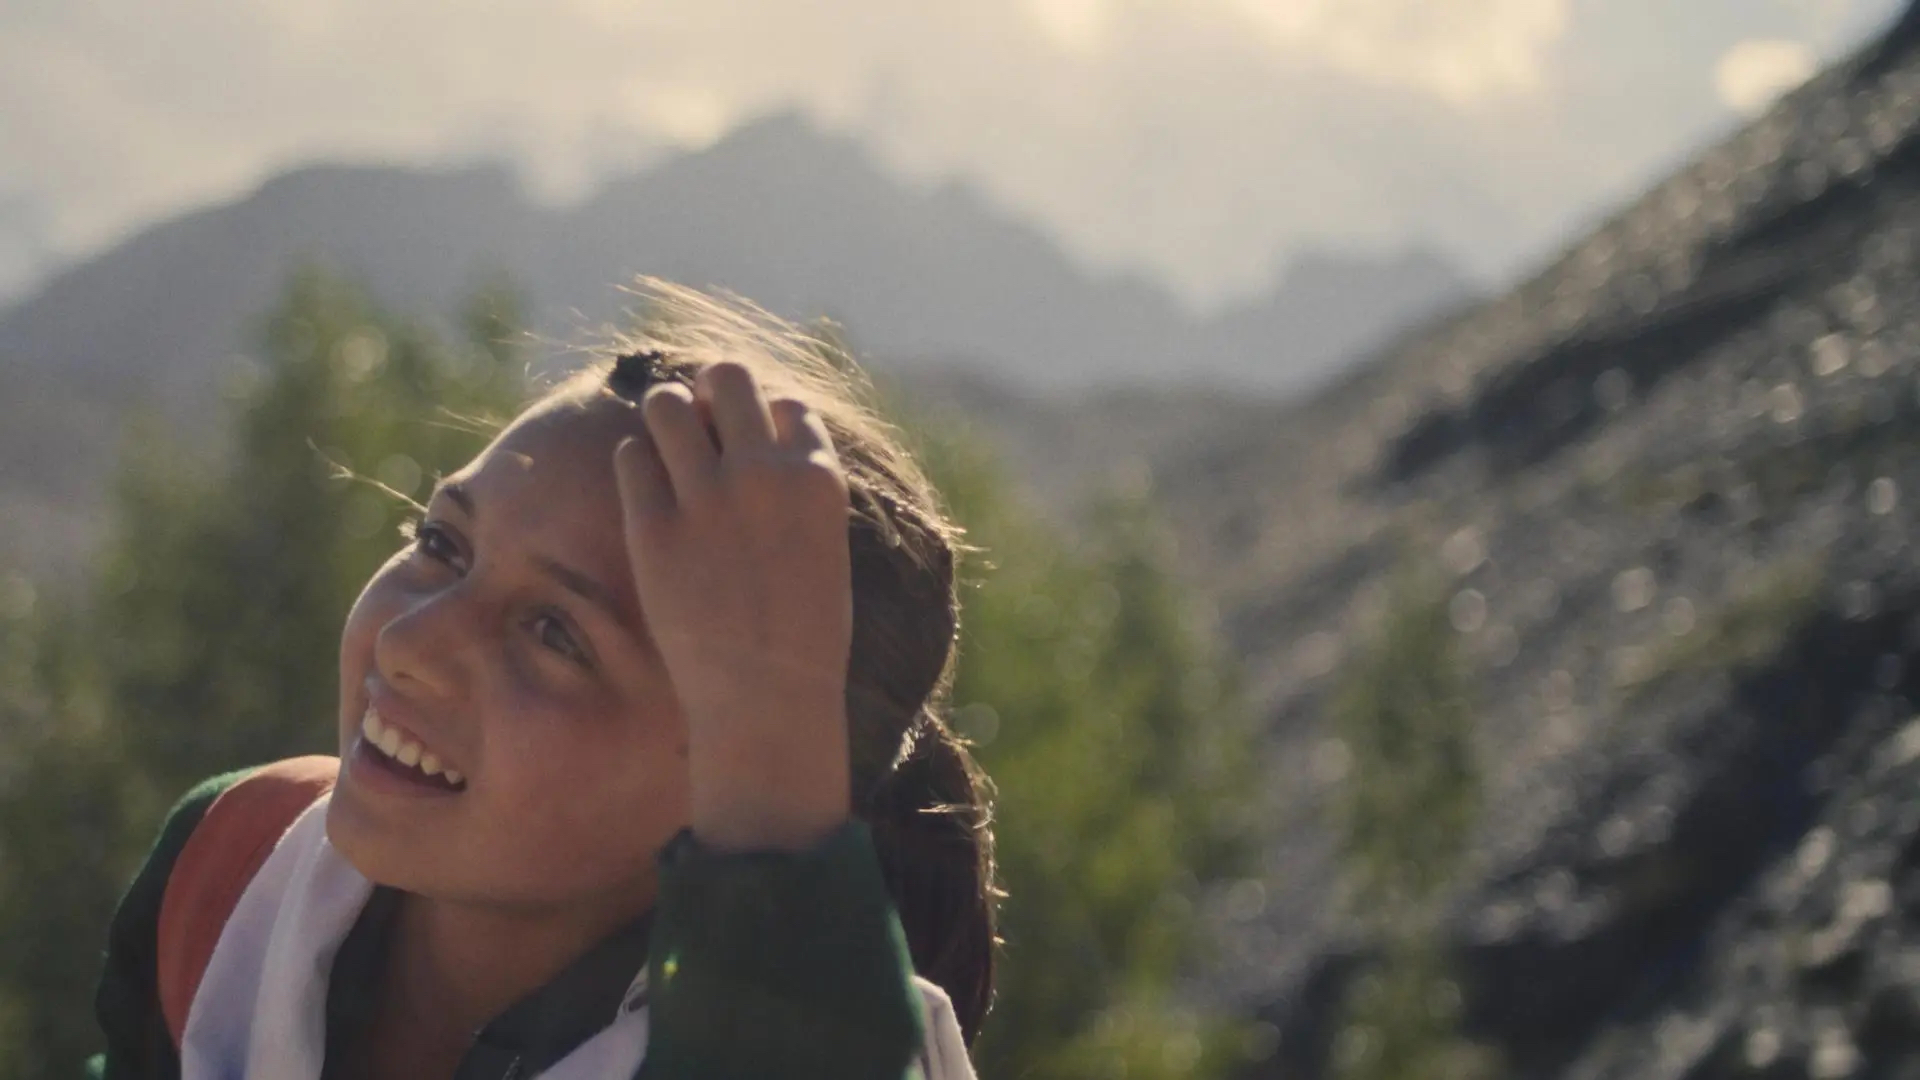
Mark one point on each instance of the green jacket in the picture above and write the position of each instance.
(787, 966)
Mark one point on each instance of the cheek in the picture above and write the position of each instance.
(376, 605)
(588, 792)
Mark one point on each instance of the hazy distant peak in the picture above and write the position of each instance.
(1314, 266)
(784, 143)
(801, 218)
(495, 179)
(785, 131)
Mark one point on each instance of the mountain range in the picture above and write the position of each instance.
(805, 222)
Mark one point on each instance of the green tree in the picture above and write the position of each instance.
(210, 639)
(1123, 767)
(60, 881)
(1407, 813)
(224, 593)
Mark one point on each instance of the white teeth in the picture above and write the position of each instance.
(390, 741)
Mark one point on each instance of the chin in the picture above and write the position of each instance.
(369, 844)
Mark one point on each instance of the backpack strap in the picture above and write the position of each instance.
(218, 861)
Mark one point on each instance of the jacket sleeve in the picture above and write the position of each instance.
(128, 1000)
(788, 966)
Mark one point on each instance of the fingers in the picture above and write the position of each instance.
(800, 429)
(738, 407)
(645, 488)
(724, 415)
(679, 433)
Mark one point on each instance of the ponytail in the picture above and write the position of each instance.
(931, 820)
(922, 796)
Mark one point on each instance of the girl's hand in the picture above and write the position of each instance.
(737, 537)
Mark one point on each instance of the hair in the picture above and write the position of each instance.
(925, 801)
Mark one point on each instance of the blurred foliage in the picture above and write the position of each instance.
(57, 889)
(208, 642)
(1402, 1022)
(1407, 814)
(1124, 769)
(210, 636)
(223, 594)
(1745, 631)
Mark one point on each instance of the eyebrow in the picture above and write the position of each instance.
(582, 586)
(572, 580)
(455, 490)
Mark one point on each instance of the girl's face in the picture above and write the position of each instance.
(506, 644)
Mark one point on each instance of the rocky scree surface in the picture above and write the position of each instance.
(1674, 479)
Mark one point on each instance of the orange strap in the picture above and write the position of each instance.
(225, 850)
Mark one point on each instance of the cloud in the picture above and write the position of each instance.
(1075, 25)
(22, 243)
(1465, 51)
(1835, 23)
(1753, 74)
(1192, 139)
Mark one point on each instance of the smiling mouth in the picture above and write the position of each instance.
(396, 748)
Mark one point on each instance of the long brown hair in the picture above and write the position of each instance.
(924, 799)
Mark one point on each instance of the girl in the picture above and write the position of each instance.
(641, 766)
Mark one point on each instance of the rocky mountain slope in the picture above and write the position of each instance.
(1676, 480)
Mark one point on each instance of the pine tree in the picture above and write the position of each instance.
(1123, 765)
(210, 639)
(1407, 813)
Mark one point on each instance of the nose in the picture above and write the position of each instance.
(425, 646)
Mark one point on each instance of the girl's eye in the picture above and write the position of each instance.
(433, 541)
(554, 634)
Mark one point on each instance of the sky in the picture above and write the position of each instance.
(1199, 142)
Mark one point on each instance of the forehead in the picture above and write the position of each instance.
(551, 470)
